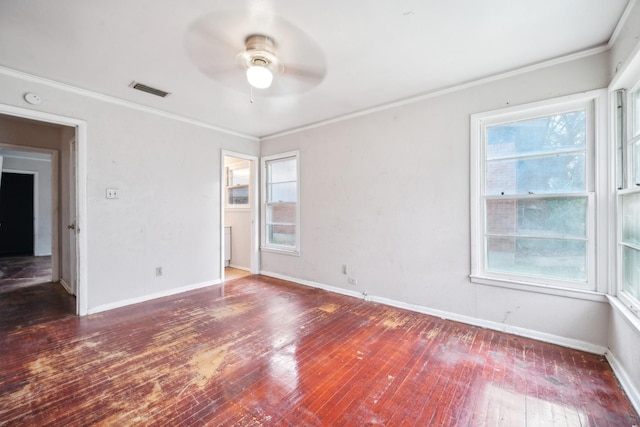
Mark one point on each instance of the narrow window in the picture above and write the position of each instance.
(281, 203)
(629, 198)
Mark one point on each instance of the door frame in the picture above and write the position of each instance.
(81, 266)
(254, 211)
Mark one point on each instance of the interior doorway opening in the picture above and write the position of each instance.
(25, 219)
(239, 215)
(43, 147)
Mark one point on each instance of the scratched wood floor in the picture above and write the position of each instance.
(269, 352)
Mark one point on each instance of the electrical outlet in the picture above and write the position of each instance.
(352, 281)
(158, 271)
(345, 270)
(112, 193)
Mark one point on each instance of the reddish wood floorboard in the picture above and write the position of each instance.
(262, 351)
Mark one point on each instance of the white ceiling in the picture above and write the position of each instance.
(375, 51)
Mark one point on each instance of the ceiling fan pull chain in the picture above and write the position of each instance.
(250, 94)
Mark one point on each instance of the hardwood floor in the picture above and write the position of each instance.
(270, 352)
(231, 273)
(20, 271)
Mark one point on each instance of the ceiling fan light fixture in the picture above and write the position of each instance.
(259, 76)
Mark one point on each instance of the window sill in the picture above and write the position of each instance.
(628, 314)
(540, 289)
(290, 252)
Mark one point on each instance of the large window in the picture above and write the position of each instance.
(280, 203)
(629, 197)
(532, 195)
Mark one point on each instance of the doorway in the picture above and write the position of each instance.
(239, 215)
(16, 214)
(32, 134)
(25, 216)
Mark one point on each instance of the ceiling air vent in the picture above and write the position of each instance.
(149, 89)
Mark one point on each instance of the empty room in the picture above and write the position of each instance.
(326, 213)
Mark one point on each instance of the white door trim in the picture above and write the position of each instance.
(81, 192)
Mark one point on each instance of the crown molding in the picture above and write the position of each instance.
(444, 91)
(117, 101)
(621, 23)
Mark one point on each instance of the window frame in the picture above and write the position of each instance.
(265, 244)
(237, 206)
(594, 104)
(625, 139)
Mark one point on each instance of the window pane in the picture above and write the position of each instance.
(284, 192)
(282, 170)
(544, 175)
(631, 272)
(551, 134)
(561, 259)
(635, 163)
(283, 235)
(631, 218)
(635, 110)
(559, 217)
(238, 177)
(238, 196)
(281, 213)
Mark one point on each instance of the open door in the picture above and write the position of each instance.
(67, 223)
(72, 226)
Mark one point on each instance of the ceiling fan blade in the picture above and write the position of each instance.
(210, 51)
(316, 75)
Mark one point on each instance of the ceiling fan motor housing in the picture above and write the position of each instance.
(260, 51)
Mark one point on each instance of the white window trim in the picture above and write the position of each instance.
(628, 301)
(264, 246)
(628, 187)
(597, 184)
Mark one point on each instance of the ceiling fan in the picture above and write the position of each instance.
(260, 61)
(246, 49)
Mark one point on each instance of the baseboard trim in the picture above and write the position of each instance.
(496, 326)
(169, 292)
(329, 288)
(501, 327)
(66, 286)
(239, 267)
(625, 381)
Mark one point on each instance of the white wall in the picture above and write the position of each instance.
(388, 195)
(240, 222)
(168, 213)
(42, 243)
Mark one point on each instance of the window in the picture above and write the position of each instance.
(629, 197)
(238, 187)
(532, 198)
(281, 203)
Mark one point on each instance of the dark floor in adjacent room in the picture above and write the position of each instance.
(270, 352)
(19, 271)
